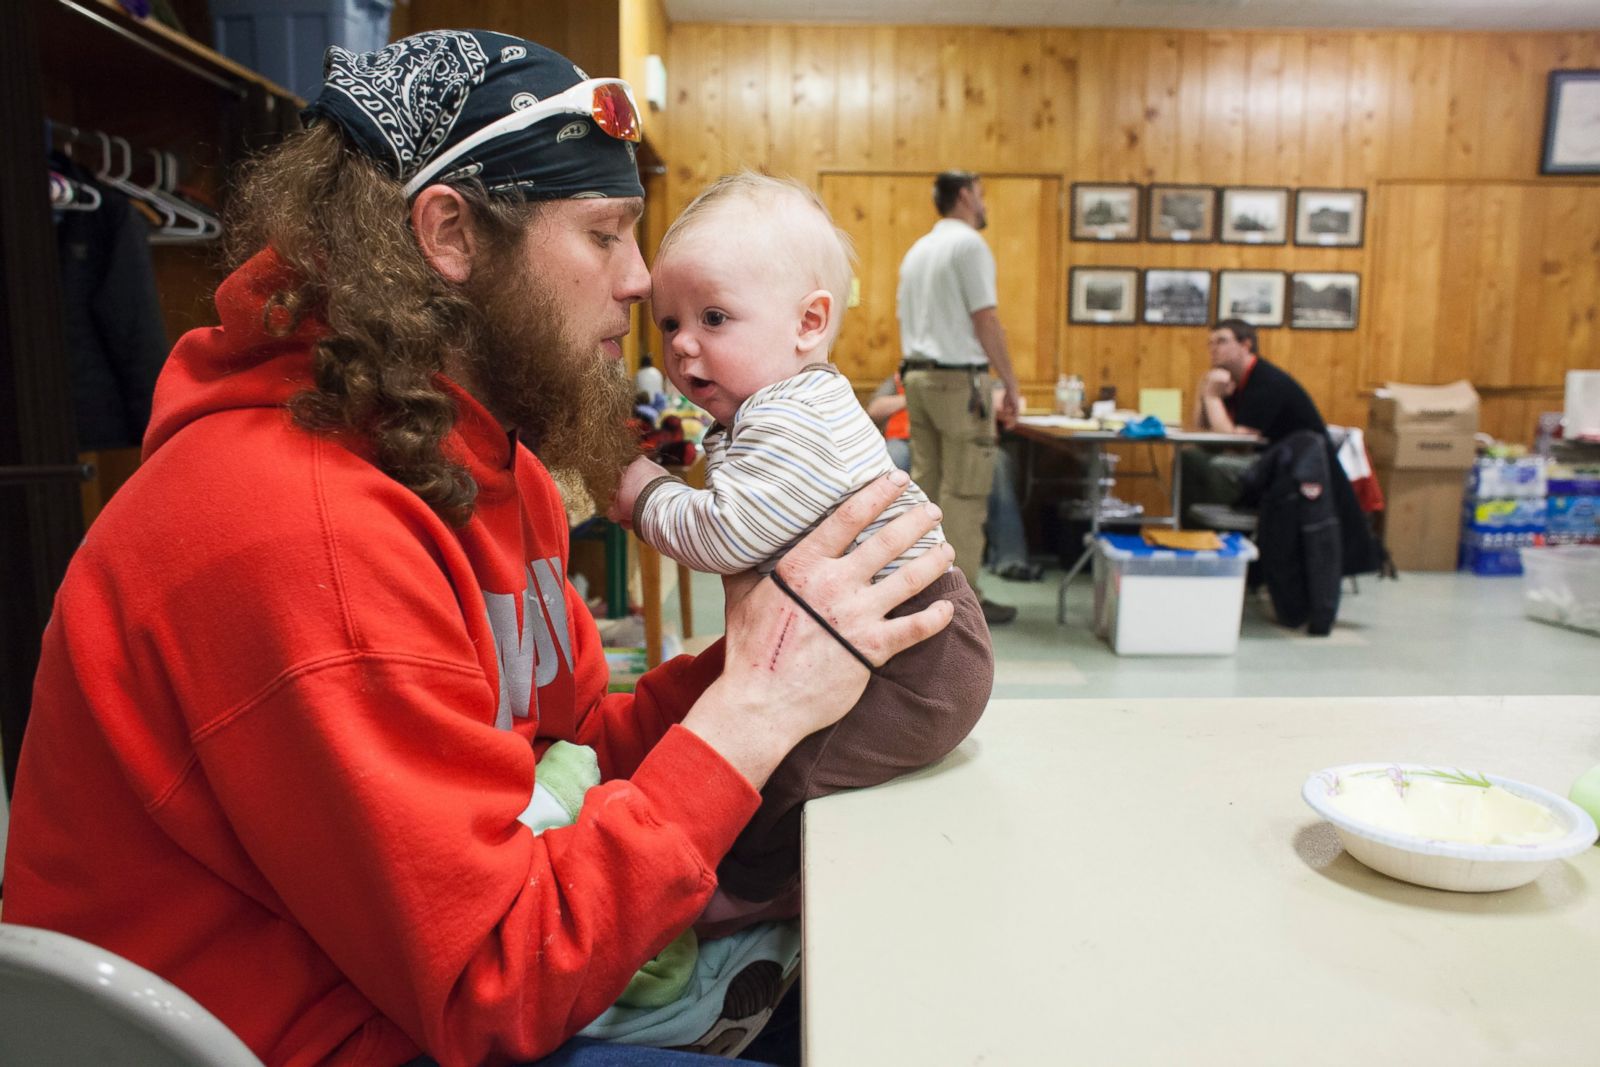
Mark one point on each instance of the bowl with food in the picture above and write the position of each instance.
(1447, 828)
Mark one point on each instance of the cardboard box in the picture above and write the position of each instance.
(1437, 409)
(1421, 449)
(1422, 517)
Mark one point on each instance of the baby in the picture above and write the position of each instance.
(749, 290)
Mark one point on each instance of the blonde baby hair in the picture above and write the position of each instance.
(804, 236)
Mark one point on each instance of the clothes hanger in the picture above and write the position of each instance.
(66, 192)
(167, 186)
(187, 224)
(69, 195)
(119, 180)
(61, 194)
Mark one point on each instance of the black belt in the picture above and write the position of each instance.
(977, 403)
(928, 364)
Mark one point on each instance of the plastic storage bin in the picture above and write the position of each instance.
(1167, 602)
(1561, 584)
(285, 39)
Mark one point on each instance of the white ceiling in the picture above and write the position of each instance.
(1177, 14)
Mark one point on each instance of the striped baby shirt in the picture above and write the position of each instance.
(796, 450)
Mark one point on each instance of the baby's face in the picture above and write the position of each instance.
(729, 328)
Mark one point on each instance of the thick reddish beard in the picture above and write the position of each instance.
(570, 404)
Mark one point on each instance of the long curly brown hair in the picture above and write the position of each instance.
(343, 227)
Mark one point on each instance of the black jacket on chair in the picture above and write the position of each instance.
(1297, 485)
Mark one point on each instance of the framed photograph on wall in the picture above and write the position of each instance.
(1329, 217)
(1103, 296)
(1105, 212)
(1177, 297)
(1572, 123)
(1255, 216)
(1182, 213)
(1324, 300)
(1256, 296)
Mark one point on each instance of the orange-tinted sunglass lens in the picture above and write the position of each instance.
(614, 113)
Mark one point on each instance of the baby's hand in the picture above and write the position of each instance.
(640, 473)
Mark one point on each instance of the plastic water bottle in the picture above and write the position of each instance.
(1069, 395)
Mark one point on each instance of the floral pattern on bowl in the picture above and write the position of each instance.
(1456, 865)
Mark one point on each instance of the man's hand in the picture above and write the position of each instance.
(1217, 382)
(640, 473)
(785, 677)
(1009, 405)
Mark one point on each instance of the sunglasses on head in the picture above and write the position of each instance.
(608, 101)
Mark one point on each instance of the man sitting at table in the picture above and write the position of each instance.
(1242, 393)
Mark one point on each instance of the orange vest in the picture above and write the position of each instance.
(898, 428)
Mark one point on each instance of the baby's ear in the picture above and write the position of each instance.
(816, 316)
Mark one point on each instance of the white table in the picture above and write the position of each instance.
(1047, 430)
(1124, 882)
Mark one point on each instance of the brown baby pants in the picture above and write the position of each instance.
(915, 710)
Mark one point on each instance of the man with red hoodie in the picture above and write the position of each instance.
(296, 680)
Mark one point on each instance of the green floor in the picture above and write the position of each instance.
(1424, 633)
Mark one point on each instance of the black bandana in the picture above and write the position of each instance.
(410, 103)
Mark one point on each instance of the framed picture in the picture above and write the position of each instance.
(1105, 296)
(1105, 212)
(1177, 297)
(1255, 216)
(1182, 213)
(1256, 296)
(1329, 217)
(1324, 301)
(1572, 123)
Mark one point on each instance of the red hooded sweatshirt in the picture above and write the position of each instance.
(286, 718)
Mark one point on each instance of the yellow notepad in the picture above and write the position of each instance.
(1164, 404)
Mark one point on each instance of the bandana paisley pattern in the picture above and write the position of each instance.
(411, 91)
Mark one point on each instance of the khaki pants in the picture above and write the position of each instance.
(952, 454)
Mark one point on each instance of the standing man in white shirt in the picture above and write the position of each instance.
(950, 341)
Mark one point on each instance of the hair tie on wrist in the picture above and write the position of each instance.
(809, 610)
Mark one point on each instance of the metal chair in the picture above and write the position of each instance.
(65, 1001)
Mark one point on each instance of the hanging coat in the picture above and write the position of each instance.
(1298, 532)
(115, 337)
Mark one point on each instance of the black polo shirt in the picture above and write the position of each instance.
(1272, 403)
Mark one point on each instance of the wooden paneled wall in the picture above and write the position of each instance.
(884, 215)
(642, 27)
(1517, 266)
(1473, 265)
(586, 32)
(608, 38)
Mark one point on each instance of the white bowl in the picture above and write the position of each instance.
(1457, 865)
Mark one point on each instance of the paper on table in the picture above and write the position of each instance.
(1064, 422)
(1164, 404)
